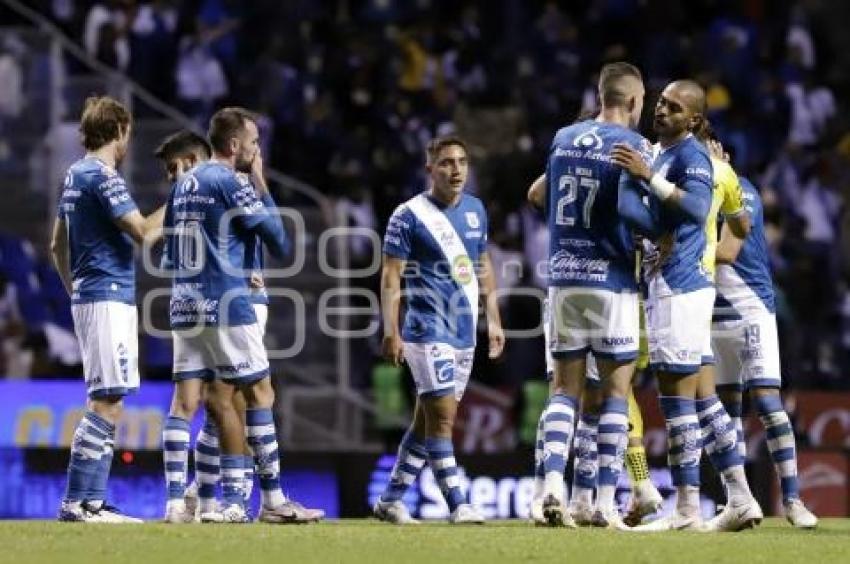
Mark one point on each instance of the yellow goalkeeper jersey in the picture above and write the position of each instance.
(727, 199)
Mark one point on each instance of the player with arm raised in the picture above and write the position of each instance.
(92, 248)
(679, 298)
(436, 244)
(214, 217)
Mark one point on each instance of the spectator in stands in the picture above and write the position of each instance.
(201, 80)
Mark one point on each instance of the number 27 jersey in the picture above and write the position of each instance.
(589, 244)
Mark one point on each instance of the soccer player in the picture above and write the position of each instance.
(436, 243)
(679, 300)
(92, 248)
(747, 350)
(593, 294)
(180, 153)
(213, 219)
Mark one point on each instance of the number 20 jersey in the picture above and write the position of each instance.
(589, 244)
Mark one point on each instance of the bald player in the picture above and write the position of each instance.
(679, 301)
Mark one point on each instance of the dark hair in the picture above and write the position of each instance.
(104, 120)
(183, 143)
(437, 144)
(611, 81)
(225, 124)
(704, 131)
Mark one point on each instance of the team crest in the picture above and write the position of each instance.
(472, 220)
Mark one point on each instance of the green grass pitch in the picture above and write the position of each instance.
(363, 540)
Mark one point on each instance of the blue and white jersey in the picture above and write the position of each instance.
(688, 166)
(254, 262)
(210, 222)
(101, 254)
(590, 245)
(745, 288)
(442, 247)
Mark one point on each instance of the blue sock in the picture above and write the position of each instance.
(558, 419)
(207, 465)
(90, 438)
(232, 478)
(260, 430)
(585, 458)
(248, 461)
(97, 494)
(720, 438)
(684, 446)
(412, 455)
(612, 438)
(735, 410)
(442, 459)
(175, 455)
(780, 443)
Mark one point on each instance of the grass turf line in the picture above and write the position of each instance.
(363, 540)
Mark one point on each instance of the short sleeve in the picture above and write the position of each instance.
(398, 235)
(732, 203)
(113, 194)
(485, 226)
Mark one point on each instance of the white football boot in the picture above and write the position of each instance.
(799, 515)
(394, 512)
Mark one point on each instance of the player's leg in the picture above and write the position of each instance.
(207, 464)
(645, 499)
(219, 405)
(558, 422)
(585, 453)
(569, 344)
(536, 509)
(411, 458)
(175, 447)
(107, 335)
(241, 407)
(675, 355)
(615, 347)
(762, 370)
(720, 441)
(721, 438)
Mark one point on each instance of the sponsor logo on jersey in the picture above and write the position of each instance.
(444, 370)
(462, 270)
(589, 140)
(472, 220)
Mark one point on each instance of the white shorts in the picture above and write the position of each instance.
(594, 320)
(592, 372)
(439, 369)
(231, 353)
(747, 352)
(679, 330)
(109, 343)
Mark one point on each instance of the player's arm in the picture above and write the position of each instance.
(690, 198)
(537, 192)
(732, 235)
(59, 252)
(631, 208)
(487, 283)
(142, 228)
(270, 229)
(392, 347)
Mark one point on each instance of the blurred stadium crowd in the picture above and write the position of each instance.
(351, 91)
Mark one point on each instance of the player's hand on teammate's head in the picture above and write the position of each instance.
(392, 349)
(717, 151)
(496, 337)
(631, 160)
